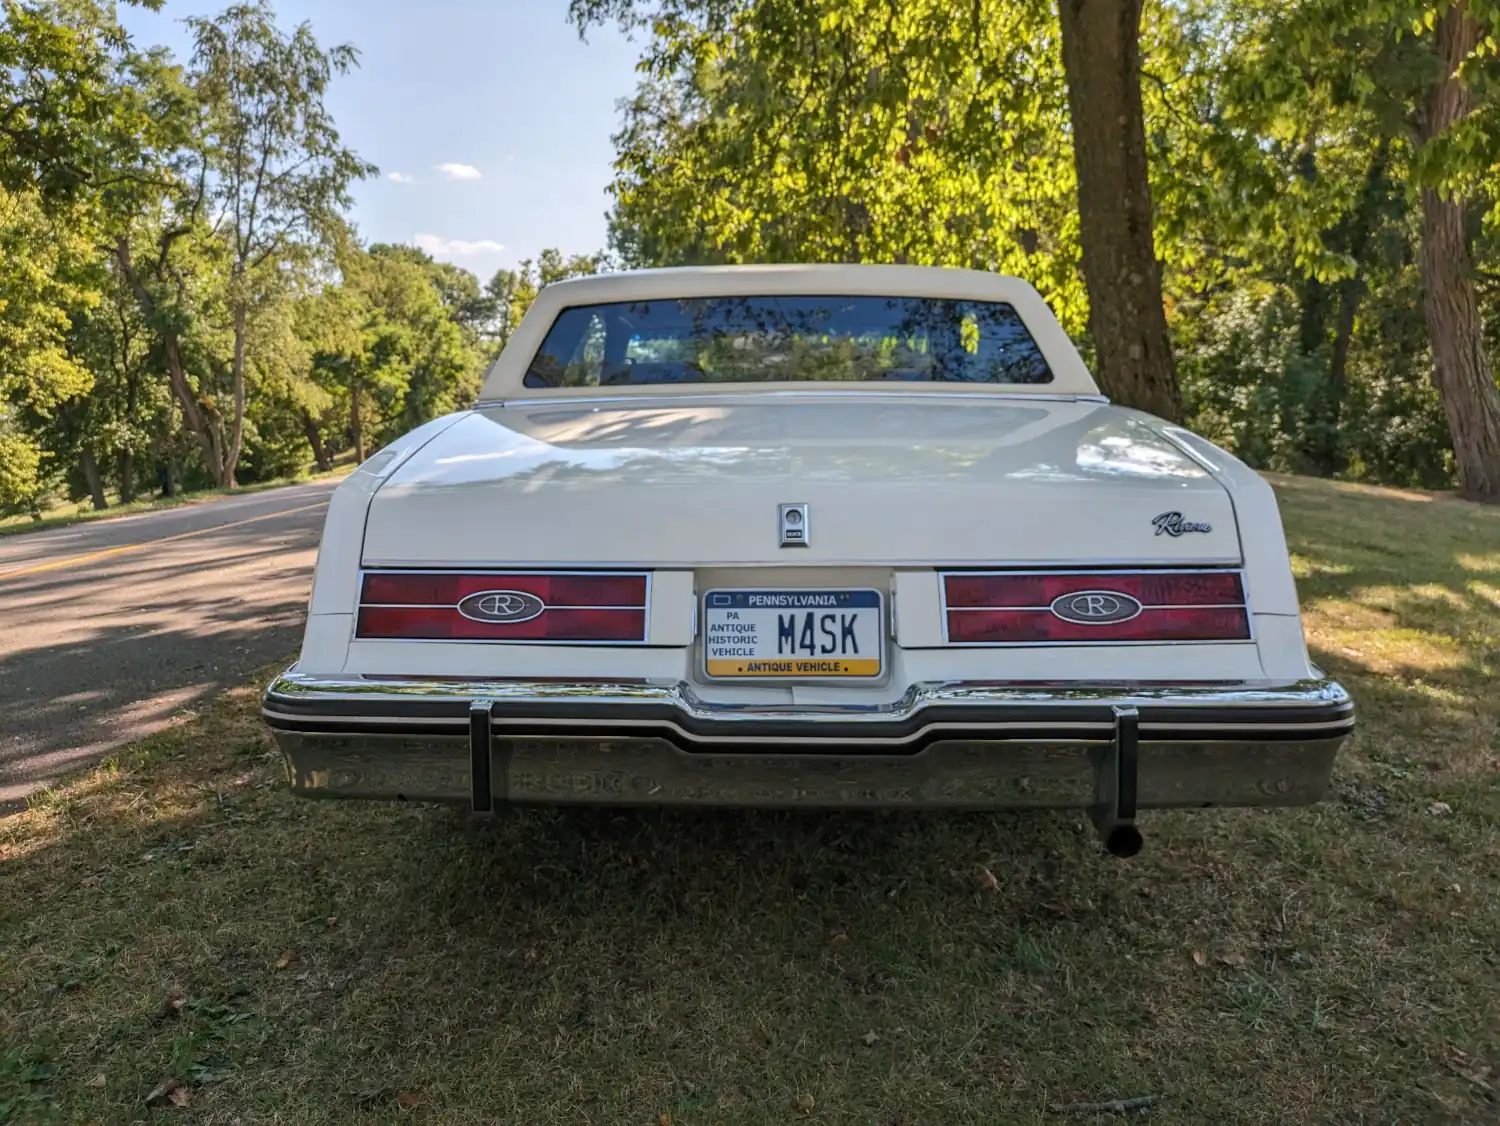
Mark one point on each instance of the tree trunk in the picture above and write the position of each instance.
(127, 476)
(1312, 329)
(1327, 453)
(315, 440)
(237, 424)
(203, 427)
(90, 465)
(356, 427)
(127, 457)
(193, 414)
(1101, 57)
(1460, 370)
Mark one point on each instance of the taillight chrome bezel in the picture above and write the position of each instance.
(630, 619)
(1237, 622)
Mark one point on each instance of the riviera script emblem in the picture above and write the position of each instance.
(1095, 607)
(501, 606)
(1174, 525)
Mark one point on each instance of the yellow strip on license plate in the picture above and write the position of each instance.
(807, 634)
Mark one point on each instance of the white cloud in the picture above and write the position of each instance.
(440, 247)
(460, 171)
(401, 178)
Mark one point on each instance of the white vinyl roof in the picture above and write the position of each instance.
(506, 375)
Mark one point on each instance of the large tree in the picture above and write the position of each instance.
(1461, 369)
(1101, 55)
(260, 176)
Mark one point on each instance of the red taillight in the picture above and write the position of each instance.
(1009, 608)
(534, 606)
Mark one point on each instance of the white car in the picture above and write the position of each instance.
(805, 536)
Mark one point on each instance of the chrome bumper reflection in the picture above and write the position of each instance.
(958, 745)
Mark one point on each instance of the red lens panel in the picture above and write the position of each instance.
(1187, 588)
(1011, 609)
(978, 627)
(437, 588)
(577, 607)
(442, 623)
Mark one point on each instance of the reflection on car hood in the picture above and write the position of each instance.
(891, 478)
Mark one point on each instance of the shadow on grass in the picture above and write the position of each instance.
(335, 962)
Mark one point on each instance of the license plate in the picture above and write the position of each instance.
(803, 634)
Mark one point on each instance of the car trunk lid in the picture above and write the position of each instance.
(897, 480)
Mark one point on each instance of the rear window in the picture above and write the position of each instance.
(786, 339)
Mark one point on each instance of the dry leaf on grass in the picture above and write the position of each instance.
(97, 1082)
(1232, 959)
(870, 1038)
(408, 1099)
(285, 960)
(987, 879)
(838, 940)
(663, 1119)
(1200, 958)
(169, 1091)
(804, 1104)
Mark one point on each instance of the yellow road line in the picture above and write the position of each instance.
(72, 560)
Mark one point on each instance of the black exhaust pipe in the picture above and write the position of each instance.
(1114, 815)
(1123, 840)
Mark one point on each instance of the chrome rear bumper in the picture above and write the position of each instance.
(975, 745)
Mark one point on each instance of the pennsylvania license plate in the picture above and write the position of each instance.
(793, 633)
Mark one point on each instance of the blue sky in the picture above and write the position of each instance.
(492, 113)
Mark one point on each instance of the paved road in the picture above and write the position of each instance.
(109, 629)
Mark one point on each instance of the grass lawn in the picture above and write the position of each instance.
(77, 512)
(174, 929)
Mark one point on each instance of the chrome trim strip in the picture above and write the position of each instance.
(617, 566)
(494, 569)
(1070, 729)
(867, 389)
(1317, 695)
(547, 606)
(1113, 567)
(1003, 609)
(268, 712)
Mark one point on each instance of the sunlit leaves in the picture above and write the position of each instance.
(859, 130)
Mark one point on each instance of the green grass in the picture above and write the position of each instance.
(78, 512)
(175, 918)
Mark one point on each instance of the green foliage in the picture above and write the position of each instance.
(509, 293)
(20, 472)
(848, 131)
(64, 129)
(1249, 387)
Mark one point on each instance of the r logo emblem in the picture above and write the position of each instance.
(1095, 607)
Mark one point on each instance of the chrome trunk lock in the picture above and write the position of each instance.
(793, 520)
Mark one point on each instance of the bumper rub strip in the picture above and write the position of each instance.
(926, 713)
